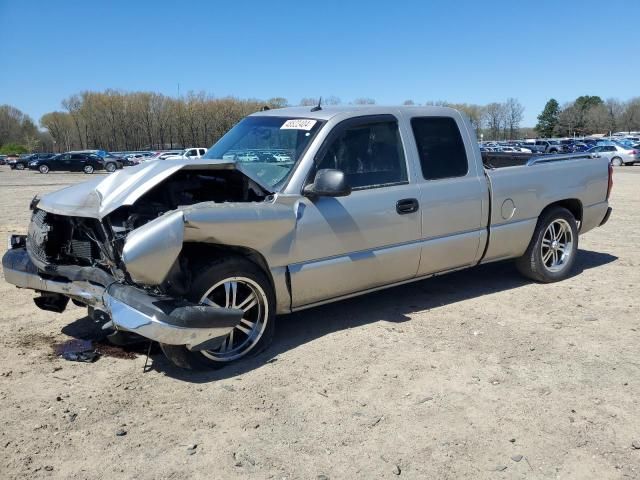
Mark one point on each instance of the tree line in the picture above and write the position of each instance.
(116, 120)
(18, 133)
(587, 115)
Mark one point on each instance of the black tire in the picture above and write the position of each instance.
(43, 169)
(19, 166)
(110, 167)
(211, 275)
(88, 169)
(616, 162)
(531, 264)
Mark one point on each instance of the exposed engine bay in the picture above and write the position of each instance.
(56, 239)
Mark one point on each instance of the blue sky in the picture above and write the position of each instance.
(460, 51)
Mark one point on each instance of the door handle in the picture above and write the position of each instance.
(407, 205)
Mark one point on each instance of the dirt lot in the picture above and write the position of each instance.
(477, 374)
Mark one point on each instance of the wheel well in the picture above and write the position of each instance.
(572, 204)
(204, 252)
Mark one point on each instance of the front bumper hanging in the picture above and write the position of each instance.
(162, 319)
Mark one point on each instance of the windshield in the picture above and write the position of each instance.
(266, 148)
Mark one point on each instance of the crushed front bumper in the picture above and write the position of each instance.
(162, 319)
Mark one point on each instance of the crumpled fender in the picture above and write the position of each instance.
(266, 227)
(151, 250)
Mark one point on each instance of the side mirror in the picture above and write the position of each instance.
(328, 183)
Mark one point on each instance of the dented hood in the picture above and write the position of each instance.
(100, 196)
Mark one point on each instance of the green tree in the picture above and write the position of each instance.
(548, 119)
(12, 148)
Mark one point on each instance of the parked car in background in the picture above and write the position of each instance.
(188, 154)
(616, 154)
(132, 159)
(22, 162)
(162, 155)
(548, 146)
(3, 159)
(74, 162)
(11, 157)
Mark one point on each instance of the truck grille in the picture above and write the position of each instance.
(38, 235)
(56, 239)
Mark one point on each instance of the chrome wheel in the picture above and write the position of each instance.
(557, 245)
(88, 169)
(616, 162)
(110, 167)
(43, 169)
(246, 295)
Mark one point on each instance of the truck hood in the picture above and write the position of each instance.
(99, 197)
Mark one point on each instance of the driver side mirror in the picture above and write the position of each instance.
(328, 183)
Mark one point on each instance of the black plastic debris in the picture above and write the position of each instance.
(76, 350)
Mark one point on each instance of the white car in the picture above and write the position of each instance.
(616, 154)
(188, 154)
(163, 155)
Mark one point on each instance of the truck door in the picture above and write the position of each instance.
(369, 238)
(452, 192)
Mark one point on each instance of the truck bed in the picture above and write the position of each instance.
(519, 194)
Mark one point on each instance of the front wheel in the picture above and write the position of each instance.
(19, 166)
(88, 169)
(552, 252)
(110, 167)
(43, 169)
(616, 161)
(231, 282)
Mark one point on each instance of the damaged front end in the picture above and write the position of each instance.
(121, 255)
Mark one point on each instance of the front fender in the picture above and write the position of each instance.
(151, 250)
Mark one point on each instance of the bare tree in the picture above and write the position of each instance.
(495, 114)
(364, 101)
(308, 101)
(631, 116)
(514, 113)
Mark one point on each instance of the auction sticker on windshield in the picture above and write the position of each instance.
(298, 124)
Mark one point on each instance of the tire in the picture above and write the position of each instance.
(209, 283)
(110, 167)
(19, 166)
(556, 227)
(43, 169)
(616, 161)
(88, 169)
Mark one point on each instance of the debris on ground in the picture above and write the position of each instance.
(76, 350)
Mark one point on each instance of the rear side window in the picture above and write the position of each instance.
(440, 146)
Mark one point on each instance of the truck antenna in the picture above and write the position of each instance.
(317, 107)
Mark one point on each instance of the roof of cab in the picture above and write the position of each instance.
(329, 111)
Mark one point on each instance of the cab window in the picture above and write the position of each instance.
(368, 150)
(440, 147)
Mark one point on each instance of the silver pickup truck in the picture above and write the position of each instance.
(294, 208)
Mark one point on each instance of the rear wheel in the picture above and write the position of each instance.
(552, 252)
(616, 161)
(88, 169)
(110, 167)
(43, 169)
(226, 283)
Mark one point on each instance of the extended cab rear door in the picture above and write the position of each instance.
(454, 195)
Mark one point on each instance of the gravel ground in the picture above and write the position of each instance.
(476, 374)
